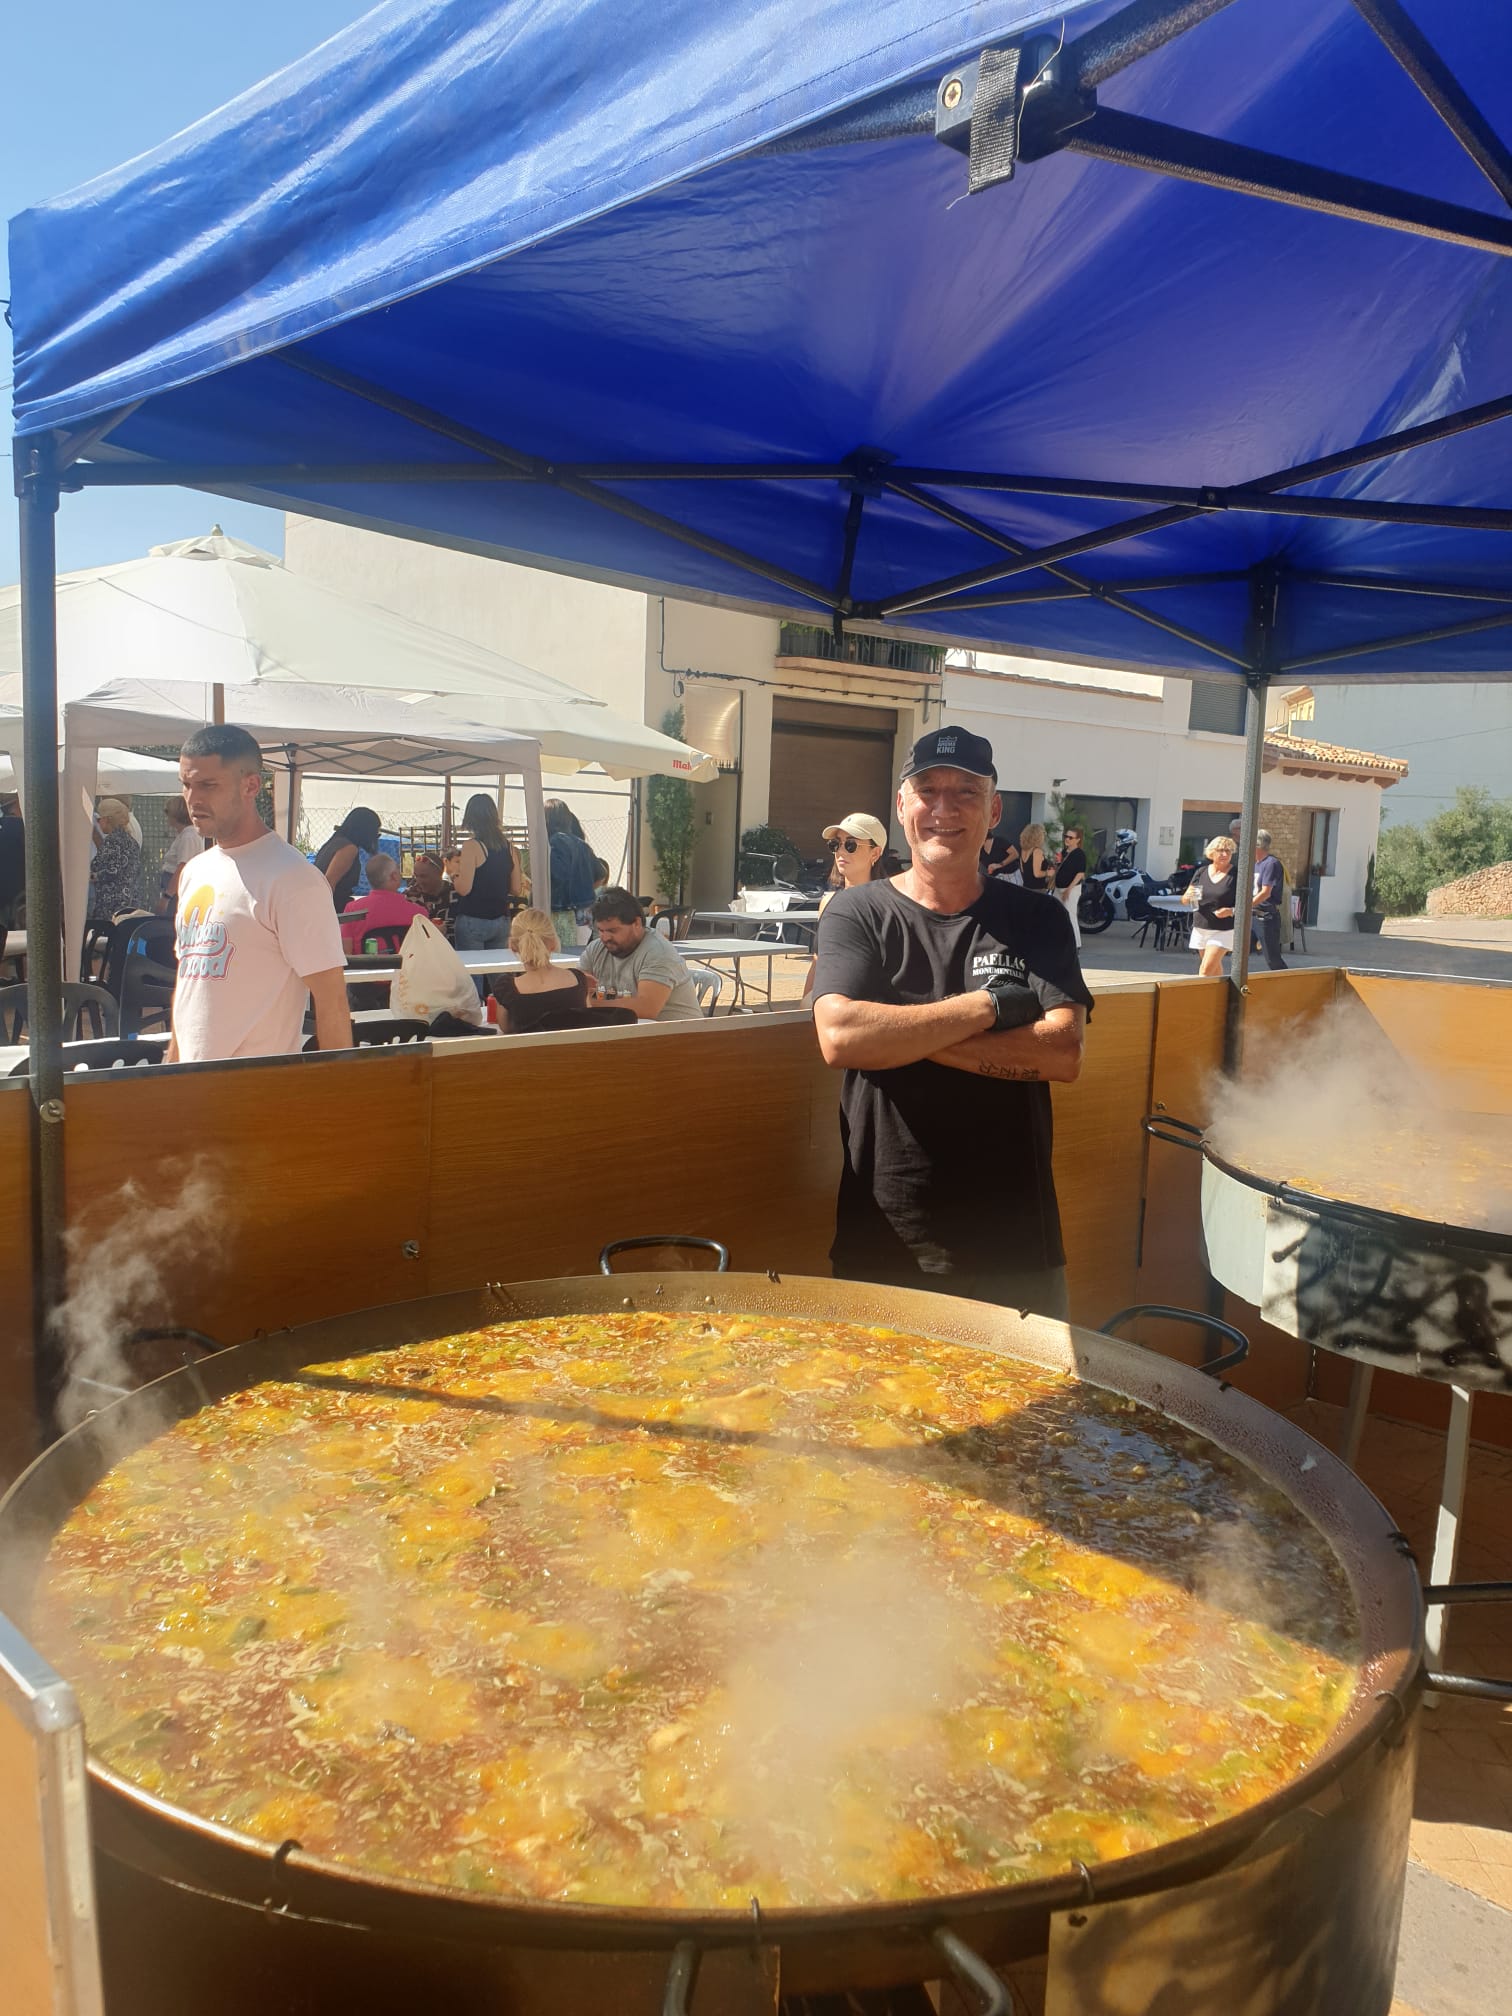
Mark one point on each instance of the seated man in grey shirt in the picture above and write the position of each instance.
(636, 968)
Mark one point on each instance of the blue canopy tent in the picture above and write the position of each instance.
(1170, 335)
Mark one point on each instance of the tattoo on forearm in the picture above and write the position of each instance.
(1019, 1071)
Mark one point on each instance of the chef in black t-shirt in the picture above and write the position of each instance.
(952, 1002)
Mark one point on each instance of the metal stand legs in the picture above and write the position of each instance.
(1451, 1501)
(1451, 1489)
(1361, 1379)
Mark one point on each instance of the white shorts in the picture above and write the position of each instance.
(1202, 937)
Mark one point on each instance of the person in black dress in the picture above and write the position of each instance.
(540, 989)
(1000, 856)
(1033, 866)
(340, 859)
(1070, 873)
(1211, 893)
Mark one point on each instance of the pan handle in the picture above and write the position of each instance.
(721, 1253)
(175, 1334)
(1215, 1367)
(972, 1975)
(1175, 1133)
(677, 1997)
(1470, 1686)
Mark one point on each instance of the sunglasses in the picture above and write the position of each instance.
(849, 845)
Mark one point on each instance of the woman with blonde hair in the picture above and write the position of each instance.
(115, 873)
(1212, 893)
(539, 989)
(1032, 864)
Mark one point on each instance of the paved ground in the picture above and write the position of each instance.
(1445, 949)
(1461, 948)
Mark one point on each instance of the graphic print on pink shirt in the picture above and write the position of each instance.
(204, 948)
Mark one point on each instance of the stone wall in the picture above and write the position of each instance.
(1486, 893)
(1289, 827)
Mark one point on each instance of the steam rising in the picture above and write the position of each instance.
(1335, 1107)
(121, 1262)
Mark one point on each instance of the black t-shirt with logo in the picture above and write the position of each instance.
(947, 1173)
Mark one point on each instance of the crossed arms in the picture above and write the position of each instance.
(957, 1032)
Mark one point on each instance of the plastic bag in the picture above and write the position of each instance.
(432, 980)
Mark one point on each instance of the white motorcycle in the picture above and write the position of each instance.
(1116, 890)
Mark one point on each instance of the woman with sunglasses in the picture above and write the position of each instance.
(858, 845)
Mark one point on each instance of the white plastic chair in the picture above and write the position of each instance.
(707, 984)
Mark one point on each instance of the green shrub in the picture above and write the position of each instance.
(1474, 832)
(670, 815)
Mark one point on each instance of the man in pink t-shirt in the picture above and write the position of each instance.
(383, 906)
(257, 932)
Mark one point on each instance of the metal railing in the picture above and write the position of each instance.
(893, 654)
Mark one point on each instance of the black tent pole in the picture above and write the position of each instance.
(37, 492)
(1263, 653)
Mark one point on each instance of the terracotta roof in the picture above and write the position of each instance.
(1300, 753)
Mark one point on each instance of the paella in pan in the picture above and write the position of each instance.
(681, 1609)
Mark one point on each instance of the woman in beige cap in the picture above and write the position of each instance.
(858, 844)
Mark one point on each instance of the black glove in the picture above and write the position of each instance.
(1016, 1005)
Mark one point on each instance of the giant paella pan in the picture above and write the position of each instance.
(686, 1639)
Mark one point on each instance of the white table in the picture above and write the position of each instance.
(732, 920)
(1167, 910)
(490, 961)
(737, 952)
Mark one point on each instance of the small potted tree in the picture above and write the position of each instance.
(671, 816)
(1369, 919)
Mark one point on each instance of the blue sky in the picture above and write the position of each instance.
(89, 84)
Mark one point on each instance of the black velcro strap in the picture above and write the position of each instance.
(995, 119)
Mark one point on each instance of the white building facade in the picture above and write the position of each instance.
(803, 738)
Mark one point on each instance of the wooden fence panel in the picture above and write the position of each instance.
(1099, 1156)
(16, 1439)
(728, 1130)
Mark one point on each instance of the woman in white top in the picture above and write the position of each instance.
(181, 850)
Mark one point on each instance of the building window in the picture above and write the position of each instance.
(1323, 845)
(1217, 707)
(1300, 709)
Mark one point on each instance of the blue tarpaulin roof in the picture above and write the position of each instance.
(558, 237)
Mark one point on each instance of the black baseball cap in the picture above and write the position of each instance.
(950, 749)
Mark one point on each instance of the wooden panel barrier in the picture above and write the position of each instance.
(1458, 1031)
(545, 1151)
(523, 1159)
(249, 1198)
(16, 1442)
(1099, 1156)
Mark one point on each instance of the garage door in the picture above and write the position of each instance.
(828, 760)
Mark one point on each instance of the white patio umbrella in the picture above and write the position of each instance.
(220, 612)
(120, 771)
(327, 731)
